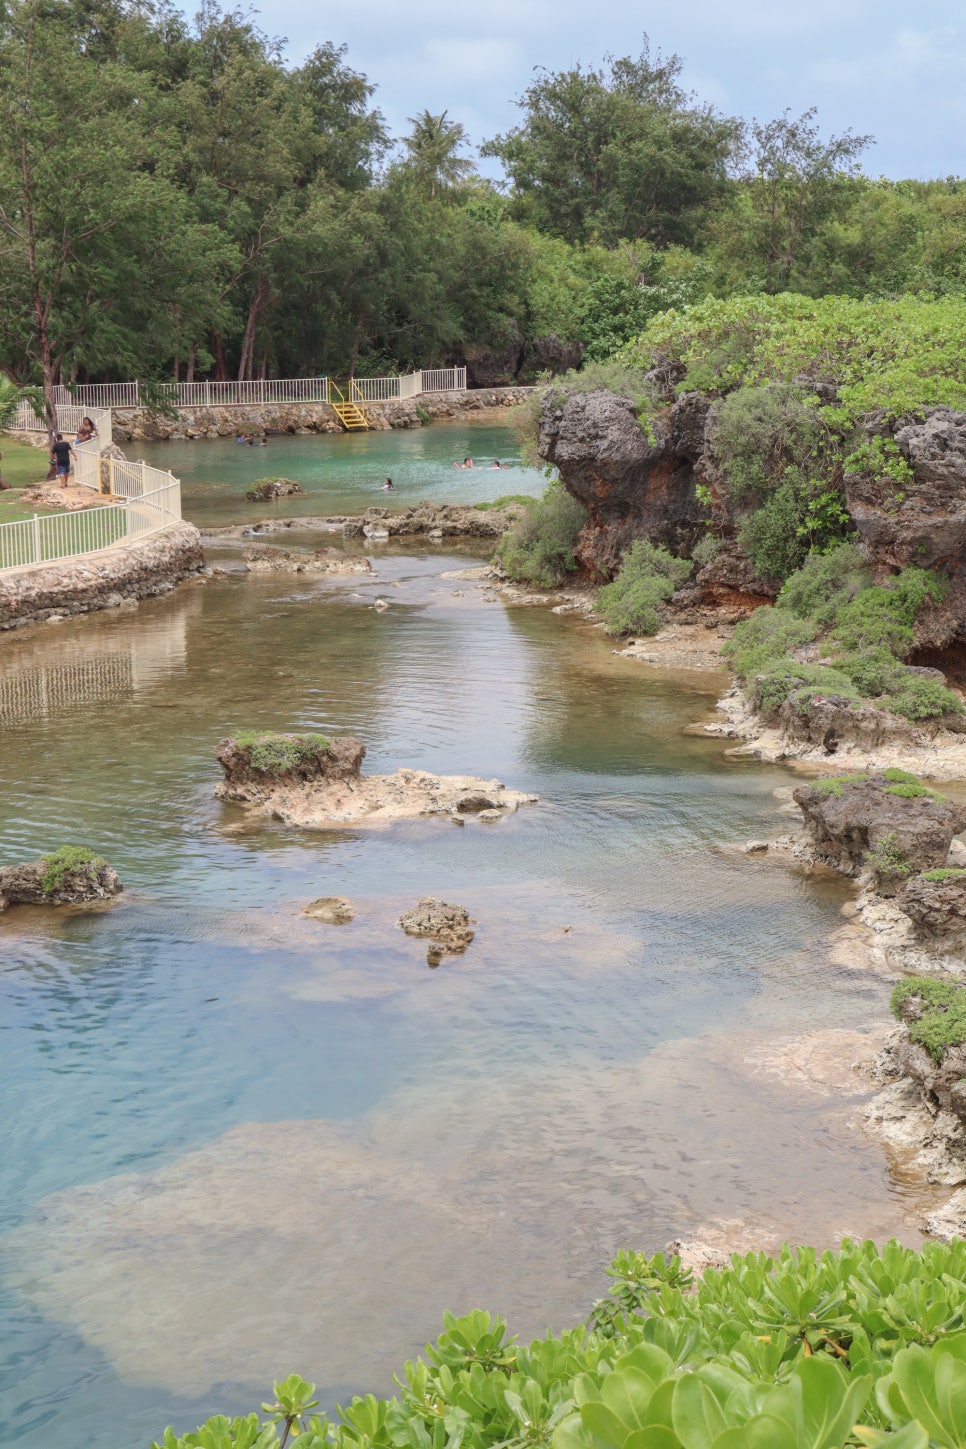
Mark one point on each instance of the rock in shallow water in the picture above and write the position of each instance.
(43, 883)
(333, 910)
(447, 926)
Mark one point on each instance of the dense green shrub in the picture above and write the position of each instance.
(874, 672)
(766, 635)
(882, 616)
(888, 858)
(648, 576)
(706, 549)
(824, 584)
(791, 679)
(943, 1005)
(772, 537)
(800, 1351)
(276, 753)
(65, 861)
(760, 432)
(539, 547)
(919, 698)
(944, 873)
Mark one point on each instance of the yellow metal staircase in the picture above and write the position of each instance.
(349, 410)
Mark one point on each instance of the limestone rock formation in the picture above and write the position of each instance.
(937, 909)
(317, 783)
(268, 488)
(942, 1085)
(448, 927)
(856, 824)
(65, 878)
(428, 520)
(264, 558)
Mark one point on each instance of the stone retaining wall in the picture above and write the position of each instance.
(134, 424)
(138, 570)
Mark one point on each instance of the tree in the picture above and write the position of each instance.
(797, 183)
(617, 152)
(433, 147)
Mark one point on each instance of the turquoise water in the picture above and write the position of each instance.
(238, 1142)
(344, 472)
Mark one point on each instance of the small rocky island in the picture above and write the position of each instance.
(315, 782)
(69, 876)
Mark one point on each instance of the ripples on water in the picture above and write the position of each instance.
(239, 1142)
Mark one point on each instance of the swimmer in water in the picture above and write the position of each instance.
(387, 487)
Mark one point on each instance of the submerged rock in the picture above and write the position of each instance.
(267, 558)
(70, 876)
(333, 910)
(315, 782)
(447, 926)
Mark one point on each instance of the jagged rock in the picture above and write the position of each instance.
(756, 847)
(22, 885)
(267, 558)
(306, 760)
(937, 909)
(268, 488)
(333, 910)
(308, 781)
(843, 825)
(432, 520)
(447, 926)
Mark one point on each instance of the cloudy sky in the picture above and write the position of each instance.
(891, 68)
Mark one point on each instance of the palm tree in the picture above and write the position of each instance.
(433, 145)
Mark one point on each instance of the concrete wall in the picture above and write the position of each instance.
(134, 424)
(101, 580)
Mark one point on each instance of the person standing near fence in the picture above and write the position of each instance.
(60, 451)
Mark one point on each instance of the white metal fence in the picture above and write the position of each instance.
(63, 535)
(268, 390)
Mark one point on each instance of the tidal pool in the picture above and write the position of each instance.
(344, 472)
(238, 1142)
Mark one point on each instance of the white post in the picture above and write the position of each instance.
(36, 533)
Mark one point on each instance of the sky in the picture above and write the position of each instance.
(890, 69)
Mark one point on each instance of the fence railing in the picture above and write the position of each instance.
(263, 390)
(63, 535)
(69, 418)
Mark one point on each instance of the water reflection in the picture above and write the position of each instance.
(241, 1142)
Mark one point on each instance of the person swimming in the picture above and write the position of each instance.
(466, 463)
(387, 487)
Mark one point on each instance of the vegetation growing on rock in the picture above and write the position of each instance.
(67, 860)
(939, 1019)
(871, 628)
(860, 1346)
(539, 547)
(276, 753)
(648, 577)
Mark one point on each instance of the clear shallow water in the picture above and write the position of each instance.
(344, 472)
(238, 1142)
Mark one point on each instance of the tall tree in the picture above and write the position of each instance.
(621, 151)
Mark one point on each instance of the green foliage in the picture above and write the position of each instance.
(706, 549)
(919, 698)
(516, 501)
(800, 683)
(648, 576)
(277, 754)
(945, 873)
(760, 432)
(860, 1346)
(767, 635)
(882, 616)
(67, 860)
(895, 776)
(942, 1007)
(888, 858)
(882, 458)
(912, 790)
(539, 547)
(833, 787)
(902, 354)
(771, 534)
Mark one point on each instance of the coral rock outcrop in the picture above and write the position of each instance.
(845, 820)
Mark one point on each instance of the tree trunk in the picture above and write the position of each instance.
(356, 343)
(255, 307)
(218, 351)
(189, 372)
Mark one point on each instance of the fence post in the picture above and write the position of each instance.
(36, 534)
(207, 394)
